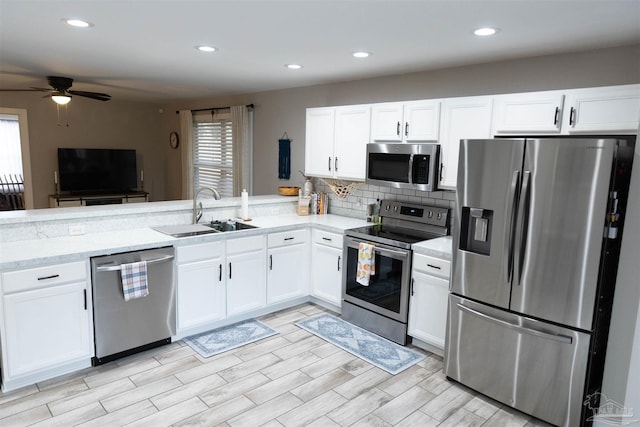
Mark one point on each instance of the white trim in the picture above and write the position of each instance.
(21, 113)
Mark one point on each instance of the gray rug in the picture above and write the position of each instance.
(229, 337)
(368, 346)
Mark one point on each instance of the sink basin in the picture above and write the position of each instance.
(224, 226)
(199, 229)
(186, 230)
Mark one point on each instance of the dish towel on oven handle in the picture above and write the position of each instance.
(366, 263)
(134, 280)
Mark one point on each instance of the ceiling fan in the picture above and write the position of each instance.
(60, 91)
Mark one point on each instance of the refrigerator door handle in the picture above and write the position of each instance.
(522, 225)
(559, 338)
(512, 201)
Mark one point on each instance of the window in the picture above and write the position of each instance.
(11, 159)
(213, 152)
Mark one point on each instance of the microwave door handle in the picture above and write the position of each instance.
(410, 177)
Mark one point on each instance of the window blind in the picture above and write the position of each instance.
(213, 154)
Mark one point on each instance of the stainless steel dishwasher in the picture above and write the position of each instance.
(126, 327)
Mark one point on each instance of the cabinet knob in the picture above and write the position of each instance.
(406, 129)
(556, 116)
(398, 129)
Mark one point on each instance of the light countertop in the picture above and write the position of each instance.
(438, 248)
(27, 253)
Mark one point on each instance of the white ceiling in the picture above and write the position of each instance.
(144, 50)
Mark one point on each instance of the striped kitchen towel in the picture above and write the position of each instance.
(134, 280)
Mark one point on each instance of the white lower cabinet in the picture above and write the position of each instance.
(428, 301)
(288, 266)
(45, 327)
(246, 278)
(201, 285)
(326, 267)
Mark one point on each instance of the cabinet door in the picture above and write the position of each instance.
(462, 118)
(246, 282)
(326, 274)
(288, 273)
(201, 293)
(428, 308)
(318, 159)
(386, 121)
(529, 113)
(353, 126)
(604, 110)
(45, 328)
(421, 121)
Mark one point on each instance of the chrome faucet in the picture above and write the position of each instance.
(197, 212)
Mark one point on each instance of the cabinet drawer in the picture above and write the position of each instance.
(245, 244)
(287, 238)
(430, 265)
(199, 252)
(328, 239)
(33, 278)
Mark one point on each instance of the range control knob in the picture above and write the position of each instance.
(430, 214)
(439, 215)
(395, 209)
(386, 207)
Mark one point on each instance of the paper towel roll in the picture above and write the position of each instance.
(244, 207)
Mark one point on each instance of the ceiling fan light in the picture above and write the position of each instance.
(61, 99)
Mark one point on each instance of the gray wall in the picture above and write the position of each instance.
(284, 110)
(92, 124)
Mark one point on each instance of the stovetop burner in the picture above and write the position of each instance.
(404, 224)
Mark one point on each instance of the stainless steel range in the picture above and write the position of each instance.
(382, 307)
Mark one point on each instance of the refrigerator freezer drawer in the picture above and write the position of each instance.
(532, 366)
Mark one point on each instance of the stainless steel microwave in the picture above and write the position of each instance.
(402, 165)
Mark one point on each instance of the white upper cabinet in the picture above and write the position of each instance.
(320, 128)
(336, 141)
(603, 110)
(462, 118)
(414, 121)
(532, 113)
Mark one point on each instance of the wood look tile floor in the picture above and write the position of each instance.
(290, 379)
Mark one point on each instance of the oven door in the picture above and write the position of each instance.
(388, 290)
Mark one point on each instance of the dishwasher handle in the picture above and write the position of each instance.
(109, 267)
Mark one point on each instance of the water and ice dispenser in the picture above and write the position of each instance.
(475, 233)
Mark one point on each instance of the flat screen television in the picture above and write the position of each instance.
(97, 170)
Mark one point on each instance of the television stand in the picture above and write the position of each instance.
(94, 199)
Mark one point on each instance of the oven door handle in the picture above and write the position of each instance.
(380, 249)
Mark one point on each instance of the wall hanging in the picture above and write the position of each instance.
(284, 157)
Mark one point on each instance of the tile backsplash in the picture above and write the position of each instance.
(355, 204)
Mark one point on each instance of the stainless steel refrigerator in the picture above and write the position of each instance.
(536, 246)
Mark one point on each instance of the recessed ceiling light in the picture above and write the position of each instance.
(206, 48)
(78, 23)
(361, 54)
(293, 66)
(485, 31)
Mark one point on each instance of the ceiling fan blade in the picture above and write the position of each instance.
(35, 89)
(92, 95)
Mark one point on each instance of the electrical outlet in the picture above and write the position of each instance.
(76, 229)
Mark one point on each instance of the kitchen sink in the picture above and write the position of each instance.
(213, 227)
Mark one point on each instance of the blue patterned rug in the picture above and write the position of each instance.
(229, 337)
(368, 346)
